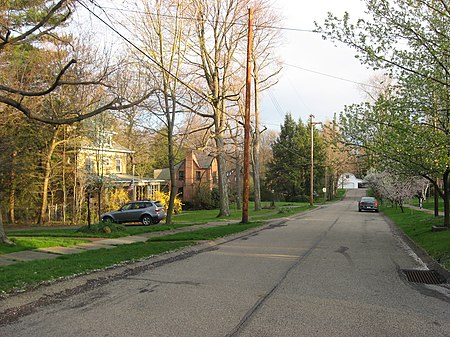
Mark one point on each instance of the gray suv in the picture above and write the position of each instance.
(148, 212)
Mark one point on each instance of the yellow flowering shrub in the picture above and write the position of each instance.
(117, 198)
(164, 199)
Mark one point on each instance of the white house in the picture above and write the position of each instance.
(348, 180)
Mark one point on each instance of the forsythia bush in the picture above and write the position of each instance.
(117, 198)
(164, 199)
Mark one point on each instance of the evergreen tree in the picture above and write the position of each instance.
(289, 171)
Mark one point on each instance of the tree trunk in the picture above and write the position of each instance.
(256, 145)
(12, 188)
(3, 237)
(222, 178)
(446, 199)
(436, 198)
(173, 182)
(47, 172)
(88, 204)
(63, 182)
(238, 180)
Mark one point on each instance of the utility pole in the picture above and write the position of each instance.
(246, 188)
(311, 176)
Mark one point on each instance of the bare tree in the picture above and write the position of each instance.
(219, 28)
(266, 67)
(163, 33)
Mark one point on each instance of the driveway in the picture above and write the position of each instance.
(329, 272)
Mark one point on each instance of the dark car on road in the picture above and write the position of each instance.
(147, 212)
(368, 204)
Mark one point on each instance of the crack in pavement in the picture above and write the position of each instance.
(255, 308)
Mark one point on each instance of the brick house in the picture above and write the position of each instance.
(195, 171)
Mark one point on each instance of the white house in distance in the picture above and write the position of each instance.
(349, 180)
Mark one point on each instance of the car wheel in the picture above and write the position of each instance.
(359, 209)
(108, 219)
(147, 220)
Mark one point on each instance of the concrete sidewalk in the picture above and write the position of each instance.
(422, 209)
(54, 252)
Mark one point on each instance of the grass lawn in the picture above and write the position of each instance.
(186, 218)
(207, 233)
(428, 204)
(73, 232)
(417, 225)
(26, 274)
(37, 242)
(204, 216)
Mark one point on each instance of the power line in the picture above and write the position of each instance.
(121, 10)
(137, 11)
(202, 95)
(331, 76)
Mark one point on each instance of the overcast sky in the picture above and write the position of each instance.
(301, 92)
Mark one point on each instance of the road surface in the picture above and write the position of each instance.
(330, 272)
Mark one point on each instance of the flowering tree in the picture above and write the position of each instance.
(395, 188)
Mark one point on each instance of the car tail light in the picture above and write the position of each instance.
(157, 210)
(375, 203)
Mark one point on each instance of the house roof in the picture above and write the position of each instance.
(203, 161)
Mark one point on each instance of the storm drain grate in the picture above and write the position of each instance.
(423, 276)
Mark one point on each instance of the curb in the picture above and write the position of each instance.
(419, 251)
(16, 304)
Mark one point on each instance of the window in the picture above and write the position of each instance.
(118, 166)
(180, 191)
(180, 175)
(198, 175)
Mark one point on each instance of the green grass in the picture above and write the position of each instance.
(208, 233)
(417, 225)
(25, 274)
(428, 204)
(73, 232)
(27, 243)
(204, 216)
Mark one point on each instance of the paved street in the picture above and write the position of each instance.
(329, 272)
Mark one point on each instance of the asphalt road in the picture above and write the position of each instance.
(330, 272)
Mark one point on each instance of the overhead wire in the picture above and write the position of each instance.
(328, 75)
(200, 94)
(140, 50)
(137, 11)
(121, 10)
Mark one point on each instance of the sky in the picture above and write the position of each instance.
(303, 92)
(308, 83)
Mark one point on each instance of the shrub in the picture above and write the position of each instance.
(204, 198)
(102, 227)
(116, 198)
(163, 197)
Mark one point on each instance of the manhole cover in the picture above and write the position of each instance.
(423, 276)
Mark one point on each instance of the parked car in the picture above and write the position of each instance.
(368, 204)
(148, 212)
